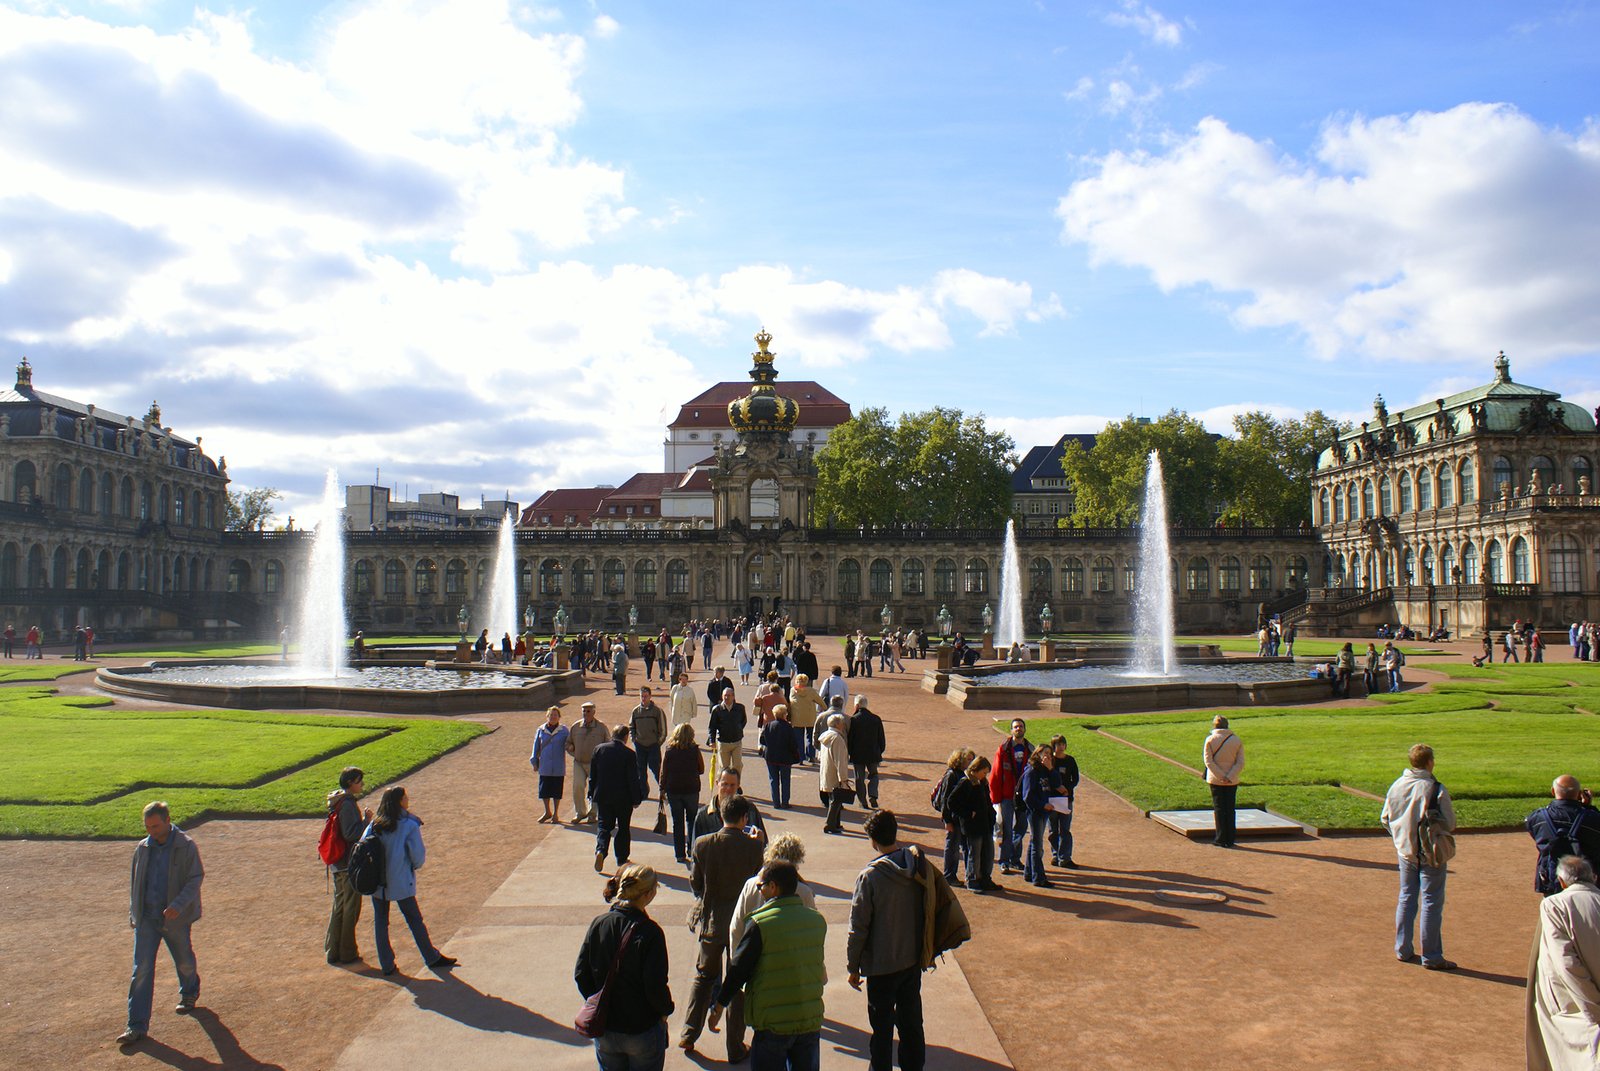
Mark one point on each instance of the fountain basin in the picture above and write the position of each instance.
(431, 688)
(1107, 686)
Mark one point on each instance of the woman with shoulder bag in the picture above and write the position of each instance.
(623, 963)
(682, 764)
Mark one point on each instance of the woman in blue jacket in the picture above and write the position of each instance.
(549, 758)
(403, 855)
(1033, 792)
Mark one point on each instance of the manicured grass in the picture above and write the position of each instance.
(40, 670)
(78, 767)
(196, 650)
(1304, 648)
(1500, 736)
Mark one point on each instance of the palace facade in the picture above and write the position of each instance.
(1401, 533)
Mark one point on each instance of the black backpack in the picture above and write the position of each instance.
(1560, 843)
(368, 864)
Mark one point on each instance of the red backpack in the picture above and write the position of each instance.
(332, 846)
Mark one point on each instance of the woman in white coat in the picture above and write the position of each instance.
(833, 762)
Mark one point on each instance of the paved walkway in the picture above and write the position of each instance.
(511, 1001)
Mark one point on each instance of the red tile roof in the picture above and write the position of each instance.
(581, 503)
(819, 407)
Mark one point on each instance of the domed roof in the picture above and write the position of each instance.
(763, 410)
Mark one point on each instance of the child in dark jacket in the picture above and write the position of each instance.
(968, 808)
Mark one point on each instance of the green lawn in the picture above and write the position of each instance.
(79, 767)
(40, 670)
(196, 650)
(1500, 737)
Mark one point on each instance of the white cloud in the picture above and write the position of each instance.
(1219, 418)
(1405, 237)
(1029, 432)
(1148, 22)
(1081, 90)
(606, 27)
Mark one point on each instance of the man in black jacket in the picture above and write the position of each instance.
(1570, 825)
(614, 788)
(804, 661)
(718, 684)
(865, 742)
(728, 720)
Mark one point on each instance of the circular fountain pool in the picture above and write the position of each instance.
(413, 689)
(1115, 676)
(1107, 685)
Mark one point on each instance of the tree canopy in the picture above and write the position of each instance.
(249, 510)
(937, 468)
(1271, 462)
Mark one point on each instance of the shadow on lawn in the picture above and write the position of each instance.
(1338, 860)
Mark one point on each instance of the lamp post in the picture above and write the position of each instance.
(1046, 619)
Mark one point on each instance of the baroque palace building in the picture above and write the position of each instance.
(145, 551)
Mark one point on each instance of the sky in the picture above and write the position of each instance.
(485, 247)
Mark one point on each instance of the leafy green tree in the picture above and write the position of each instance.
(1108, 480)
(1272, 462)
(938, 469)
(249, 510)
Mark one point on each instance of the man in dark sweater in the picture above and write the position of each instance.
(723, 862)
(865, 741)
(340, 944)
(614, 788)
(728, 720)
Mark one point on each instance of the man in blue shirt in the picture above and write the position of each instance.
(164, 903)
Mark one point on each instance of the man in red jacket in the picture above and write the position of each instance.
(1009, 761)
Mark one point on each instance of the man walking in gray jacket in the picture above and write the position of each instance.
(165, 902)
(885, 945)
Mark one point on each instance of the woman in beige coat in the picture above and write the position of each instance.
(804, 704)
(833, 761)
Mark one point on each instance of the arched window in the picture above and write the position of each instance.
(61, 496)
(583, 578)
(1424, 489)
(1072, 577)
(125, 572)
(1386, 497)
(524, 578)
(455, 577)
(85, 491)
(976, 581)
(1105, 574)
(1228, 574)
(1198, 575)
(913, 578)
(1581, 470)
(1521, 567)
(1427, 576)
(363, 578)
(1350, 513)
(880, 578)
(1261, 573)
(613, 577)
(944, 577)
(1566, 565)
(1502, 475)
(26, 481)
(272, 577)
(481, 584)
(1324, 507)
(1357, 575)
(394, 578)
(1496, 561)
(1338, 506)
(1447, 565)
(127, 496)
(1040, 577)
(427, 576)
(238, 575)
(1388, 569)
(1330, 571)
(1407, 503)
(1468, 476)
(1367, 507)
(1447, 486)
(80, 579)
(164, 504)
(644, 577)
(849, 579)
(677, 577)
(206, 573)
(10, 566)
(549, 577)
(1129, 576)
(1545, 470)
(147, 495)
(179, 514)
(1469, 564)
(1298, 575)
(1408, 567)
(108, 494)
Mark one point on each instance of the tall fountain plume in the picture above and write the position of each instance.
(502, 615)
(1154, 655)
(319, 622)
(1008, 627)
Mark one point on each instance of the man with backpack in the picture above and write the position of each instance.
(1570, 825)
(1418, 814)
(339, 834)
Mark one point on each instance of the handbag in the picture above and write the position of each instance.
(843, 793)
(661, 820)
(591, 1018)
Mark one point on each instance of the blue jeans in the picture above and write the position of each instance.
(1013, 820)
(979, 853)
(1429, 881)
(1060, 837)
(419, 930)
(803, 745)
(778, 775)
(785, 1052)
(682, 805)
(866, 775)
(1033, 868)
(952, 853)
(648, 759)
(645, 1051)
(147, 937)
(612, 821)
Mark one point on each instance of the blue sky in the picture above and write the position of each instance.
(489, 246)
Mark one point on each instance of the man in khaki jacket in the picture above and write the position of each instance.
(586, 734)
